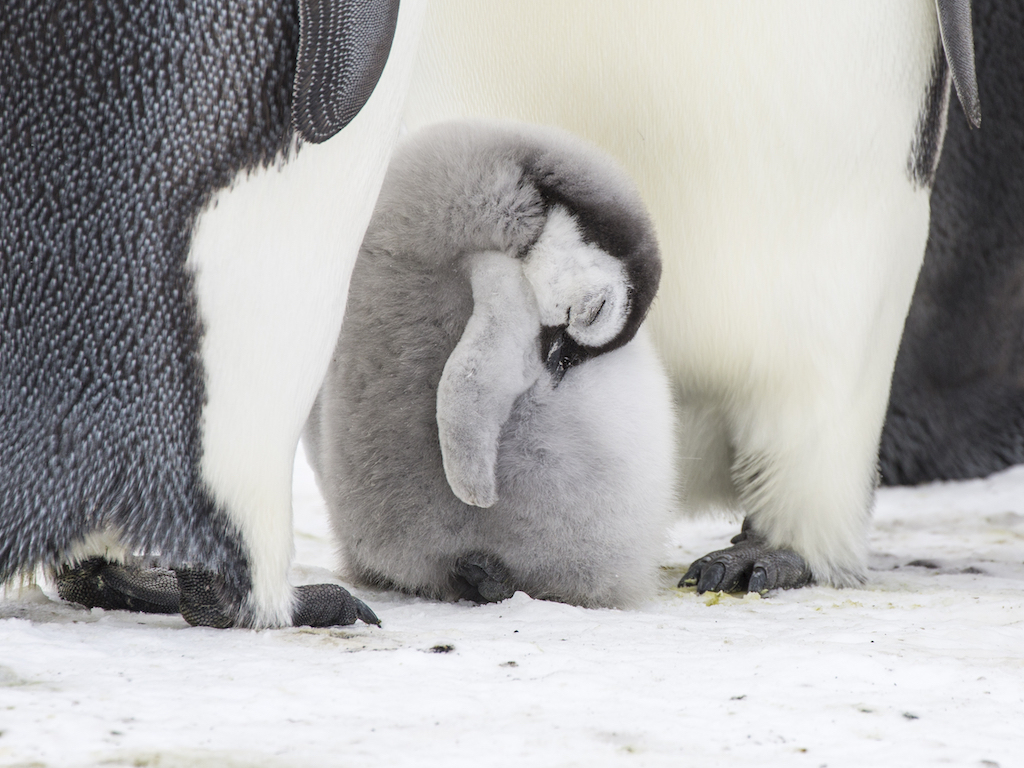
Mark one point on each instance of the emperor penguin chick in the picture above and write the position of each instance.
(494, 418)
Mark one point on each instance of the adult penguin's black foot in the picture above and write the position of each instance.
(100, 583)
(750, 565)
(482, 578)
(207, 602)
(200, 596)
(328, 605)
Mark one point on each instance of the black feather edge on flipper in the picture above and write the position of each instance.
(343, 47)
(958, 43)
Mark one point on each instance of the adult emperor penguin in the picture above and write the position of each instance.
(491, 420)
(786, 150)
(178, 228)
(957, 405)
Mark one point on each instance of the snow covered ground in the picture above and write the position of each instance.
(923, 666)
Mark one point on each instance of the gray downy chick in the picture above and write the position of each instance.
(494, 418)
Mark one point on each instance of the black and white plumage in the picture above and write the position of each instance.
(785, 149)
(175, 243)
(492, 419)
(957, 405)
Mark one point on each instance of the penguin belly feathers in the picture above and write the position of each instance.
(175, 254)
(494, 418)
(786, 151)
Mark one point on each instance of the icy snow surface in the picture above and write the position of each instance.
(923, 666)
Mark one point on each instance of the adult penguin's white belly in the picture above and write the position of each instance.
(785, 151)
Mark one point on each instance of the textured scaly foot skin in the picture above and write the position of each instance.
(750, 565)
(100, 583)
(199, 595)
(482, 578)
(328, 605)
(206, 603)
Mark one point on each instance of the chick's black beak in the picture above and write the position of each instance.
(560, 352)
(553, 359)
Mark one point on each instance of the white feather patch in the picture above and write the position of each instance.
(272, 257)
(576, 283)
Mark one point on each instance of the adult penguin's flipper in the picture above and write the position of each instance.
(343, 47)
(958, 43)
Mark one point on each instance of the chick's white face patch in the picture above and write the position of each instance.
(576, 283)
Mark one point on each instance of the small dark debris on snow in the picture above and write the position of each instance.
(911, 716)
(738, 698)
(446, 648)
(509, 664)
(923, 564)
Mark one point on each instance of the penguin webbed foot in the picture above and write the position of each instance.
(750, 565)
(207, 602)
(200, 596)
(328, 605)
(100, 583)
(482, 578)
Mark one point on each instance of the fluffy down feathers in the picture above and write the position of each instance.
(567, 430)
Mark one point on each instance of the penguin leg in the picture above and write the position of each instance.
(804, 471)
(750, 565)
(482, 578)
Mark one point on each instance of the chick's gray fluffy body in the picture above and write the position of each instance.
(584, 469)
